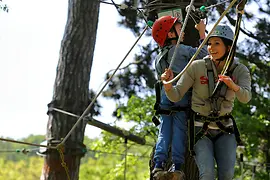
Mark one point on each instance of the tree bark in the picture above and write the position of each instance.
(71, 89)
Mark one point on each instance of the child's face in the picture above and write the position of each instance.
(178, 27)
(216, 48)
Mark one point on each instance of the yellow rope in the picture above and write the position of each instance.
(60, 149)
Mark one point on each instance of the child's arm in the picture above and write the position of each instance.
(201, 28)
(167, 76)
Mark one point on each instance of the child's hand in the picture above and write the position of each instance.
(229, 82)
(167, 76)
(201, 28)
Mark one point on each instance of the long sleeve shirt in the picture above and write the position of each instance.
(196, 77)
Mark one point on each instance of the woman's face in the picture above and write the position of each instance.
(216, 48)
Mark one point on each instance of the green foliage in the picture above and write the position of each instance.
(253, 50)
(29, 169)
(100, 162)
(17, 152)
(139, 111)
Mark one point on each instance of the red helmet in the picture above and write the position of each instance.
(161, 28)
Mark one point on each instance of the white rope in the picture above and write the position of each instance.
(214, 5)
(201, 45)
(181, 32)
(86, 111)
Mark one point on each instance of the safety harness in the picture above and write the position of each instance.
(216, 100)
(163, 63)
(169, 111)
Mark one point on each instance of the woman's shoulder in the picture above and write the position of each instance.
(240, 67)
(198, 62)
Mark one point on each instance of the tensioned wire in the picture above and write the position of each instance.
(94, 99)
(156, 4)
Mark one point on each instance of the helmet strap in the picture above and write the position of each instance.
(174, 38)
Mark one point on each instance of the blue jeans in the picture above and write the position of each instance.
(172, 130)
(223, 150)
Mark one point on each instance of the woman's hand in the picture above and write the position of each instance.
(167, 76)
(229, 82)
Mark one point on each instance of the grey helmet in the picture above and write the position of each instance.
(223, 31)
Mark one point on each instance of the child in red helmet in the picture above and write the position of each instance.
(173, 127)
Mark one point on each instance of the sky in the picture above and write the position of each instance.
(30, 37)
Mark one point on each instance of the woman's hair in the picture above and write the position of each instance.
(227, 42)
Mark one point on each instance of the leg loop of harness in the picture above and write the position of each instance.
(194, 137)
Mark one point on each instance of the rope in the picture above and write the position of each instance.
(26, 143)
(181, 32)
(121, 6)
(230, 57)
(23, 150)
(94, 99)
(60, 149)
(155, 6)
(214, 5)
(201, 45)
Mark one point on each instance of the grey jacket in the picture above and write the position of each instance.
(196, 77)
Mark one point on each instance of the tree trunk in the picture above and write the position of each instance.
(71, 89)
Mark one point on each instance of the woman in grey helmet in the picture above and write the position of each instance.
(212, 113)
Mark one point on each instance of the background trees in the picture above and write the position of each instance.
(71, 89)
(132, 89)
(252, 50)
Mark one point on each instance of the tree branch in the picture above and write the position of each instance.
(220, 10)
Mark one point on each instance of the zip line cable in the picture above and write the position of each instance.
(201, 45)
(214, 5)
(152, 6)
(23, 150)
(108, 128)
(26, 143)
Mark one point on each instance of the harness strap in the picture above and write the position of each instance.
(211, 86)
(158, 95)
(194, 137)
(159, 110)
(237, 133)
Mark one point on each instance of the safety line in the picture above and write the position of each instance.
(86, 111)
(214, 5)
(181, 32)
(26, 143)
(201, 45)
(25, 151)
(153, 6)
(121, 5)
(231, 54)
